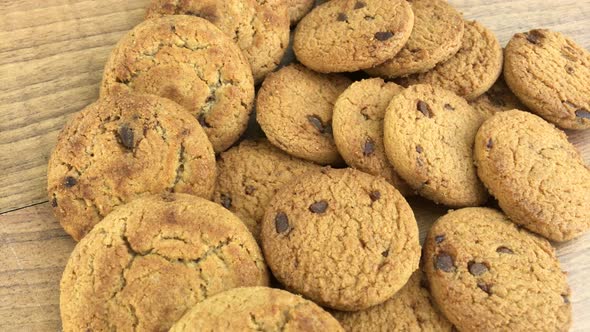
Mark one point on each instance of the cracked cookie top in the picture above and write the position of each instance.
(147, 263)
(342, 238)
(487, 274)
(260, 28)
(120, 148)
(190, 61)
(257, 309)
(350, 35)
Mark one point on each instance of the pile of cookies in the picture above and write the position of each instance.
(184, 225)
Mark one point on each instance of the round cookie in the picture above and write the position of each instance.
(298, 9)
(342, 238)
(470, 72)
(256, 309)
(188, 60)
(122, 147)
(259, 28)
(486, 274)
(428, 137)
(350, 35)
(250, 175)
(150, 261)
(437, 35)
(358, 128)
(550, 74)
(538, 177)
(411, 309)
(294, 108)
(498, 98)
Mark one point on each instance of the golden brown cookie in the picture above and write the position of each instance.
(411, 309)
(550, 73)
(538, 177)
(122, 147)
(294, 108)
(256, 309)
(428, 135)
(151, 260)
(437, 35)
(358, 128)
(498, 98)
(190, 61)
(260, 28)
(486, 274)
(298, 9)
(470, 72)
(250, 175)
(342, 238)
(350, 35)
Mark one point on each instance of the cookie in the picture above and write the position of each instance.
(437, 35)
(122, 147)
(550, 73)
(411, 309)
(486, 274)
(358, 128)
(499, 98)
(470, 72)
(538, 177)
(294, 108)
(250, 175)
(350, 35)
(342, 238)
(151, 260)
(428, 137)
(256, 309)
(188, 60)
(298, 9)
(259, 28)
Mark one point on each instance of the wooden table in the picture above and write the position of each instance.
(51, 58)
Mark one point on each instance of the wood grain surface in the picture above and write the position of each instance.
(51, 58)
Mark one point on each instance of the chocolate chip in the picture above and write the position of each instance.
(419, 149)
(250, 190)
(439, 238)
(485, 287)
(203, 121)
(69, 182)
(369, 18)
(448, 107)
(424, 108)
(569, 70)
(383, 35)
(490, 143)
(281, 223)
(374, 195)
(368, 147)
(126, 136)
(54, 202)
(504, 250)
(318, 124)
(359, 5)
(566, 299)
(385, 253)
(476, 268)
(534, 36)
(342, 17)
(583, 113)
(444, 261)
(319, 207)
(225, 201)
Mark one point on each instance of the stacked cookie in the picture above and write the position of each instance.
(180, 220)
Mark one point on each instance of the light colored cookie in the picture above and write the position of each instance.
(498, 98)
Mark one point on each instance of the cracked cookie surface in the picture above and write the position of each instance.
(256, 309)
(294, 108)
(122, 147)
(150, 261)
(358, 128)
(251, 174)
(342, 238)
(550, 74)
(428, 136)
(260, 28)
(539, 178)
(486, 274)
(499, 98)
(437, 35)
(350, 35)
(190, 61)
(472, 70)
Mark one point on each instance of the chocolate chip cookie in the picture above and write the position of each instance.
(428, 136)
(350, 35)
(358, 128)
(342, 238)
(256, 309)
(294, 108)
(122, 147)
(486, 274)
(550, 73)
(538, 177)
(150, 261)
(188, 60)
(498, 98)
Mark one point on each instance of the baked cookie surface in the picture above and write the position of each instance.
(299, 8)
(499, 98)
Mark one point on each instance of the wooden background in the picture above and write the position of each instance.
(51, 58)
